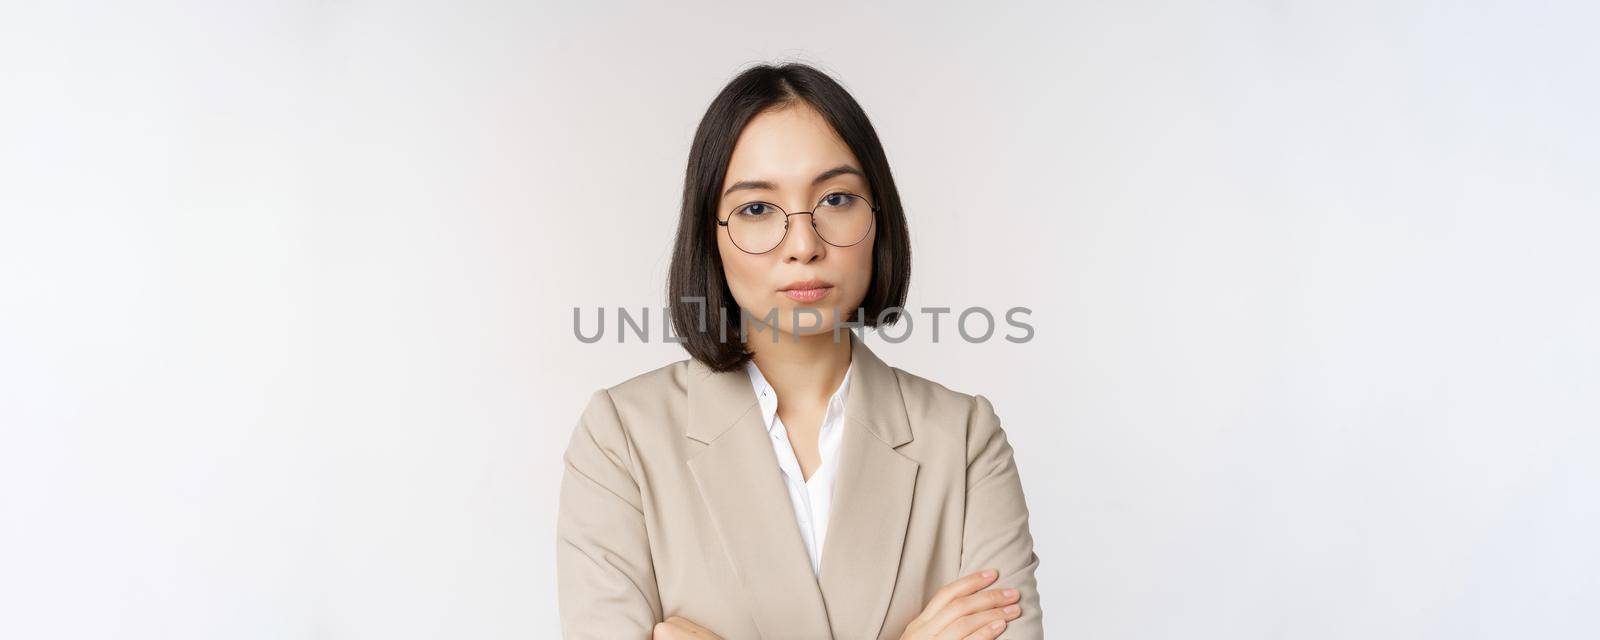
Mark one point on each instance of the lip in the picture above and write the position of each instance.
(807, 290)
(814, 283)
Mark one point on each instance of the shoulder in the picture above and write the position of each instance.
(963, 421)
(961, 414)
(654, 389)
(924, 395)
(612, 413)
(663, 382)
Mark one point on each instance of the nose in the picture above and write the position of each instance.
(801, 242)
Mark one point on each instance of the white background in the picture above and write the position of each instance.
(286, 292)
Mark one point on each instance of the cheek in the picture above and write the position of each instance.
(743, 272)
(861, 267)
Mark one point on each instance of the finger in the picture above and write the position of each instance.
(988, 632)
(687, 624)
(976, 603)
(680, 628)
(670, 629)
(978, 623)
(962, 586)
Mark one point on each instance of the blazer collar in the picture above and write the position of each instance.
(738, 477)
(718, 399)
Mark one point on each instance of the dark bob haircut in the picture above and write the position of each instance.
(703, 309)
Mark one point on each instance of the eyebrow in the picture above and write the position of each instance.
(840, 170)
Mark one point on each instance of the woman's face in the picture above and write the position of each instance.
(790, 156)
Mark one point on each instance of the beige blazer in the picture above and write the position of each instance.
(672, 504)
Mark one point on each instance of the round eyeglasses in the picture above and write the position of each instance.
(840, 219)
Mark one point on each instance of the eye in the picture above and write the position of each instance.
(836, 199)
(755, 210)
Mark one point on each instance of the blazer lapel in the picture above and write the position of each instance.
(738, 478)
(871, 501)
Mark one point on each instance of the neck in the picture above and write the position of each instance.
(807, 368)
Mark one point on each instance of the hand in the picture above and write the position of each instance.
(679, 628)
(958, 611)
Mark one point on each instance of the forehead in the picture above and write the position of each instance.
(788, 146)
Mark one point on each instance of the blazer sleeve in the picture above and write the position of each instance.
(604, 572)
(996, 531)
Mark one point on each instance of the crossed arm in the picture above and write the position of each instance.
(604, 572)
(607, 580)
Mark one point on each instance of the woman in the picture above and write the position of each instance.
(784, 482)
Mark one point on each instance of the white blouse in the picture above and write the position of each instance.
(811, 498)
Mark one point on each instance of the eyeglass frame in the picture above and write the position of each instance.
(875, 210)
